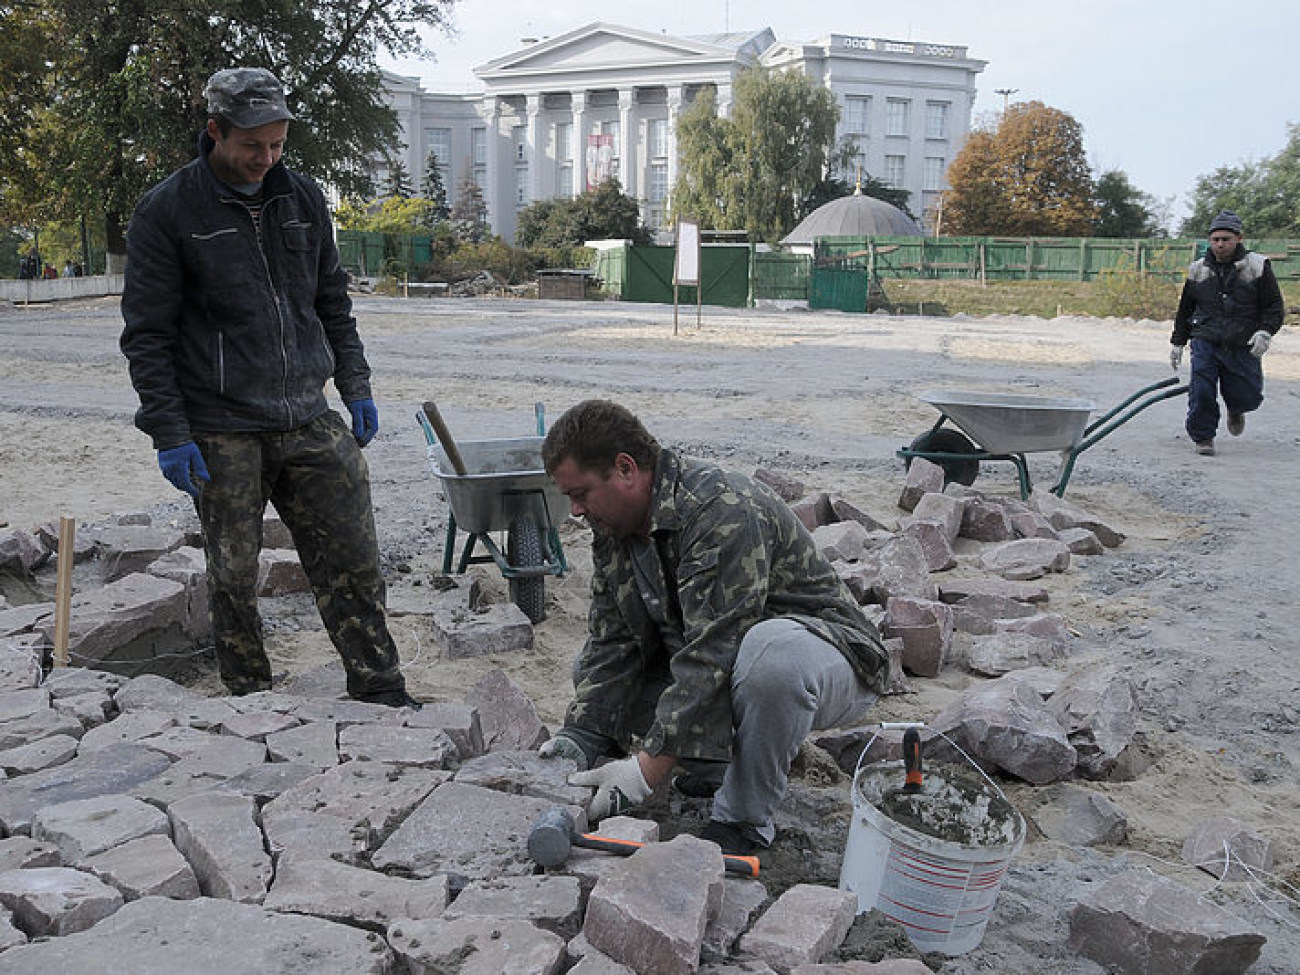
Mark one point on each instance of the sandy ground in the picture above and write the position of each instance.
(1196, 606)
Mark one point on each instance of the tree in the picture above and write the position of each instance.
(128, 100)
(1266, 195)
(469, 215)
(399, 180)
(603, 213)
(1029, 178)
(755, 169)
(1123, 210)
(433, 188)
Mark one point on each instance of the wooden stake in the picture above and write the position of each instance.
(63, 592)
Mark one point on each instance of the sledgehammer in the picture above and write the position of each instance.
(554, 836)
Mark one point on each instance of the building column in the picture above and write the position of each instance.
(674, 113)
(536, 148)
(491, 115)
(628, 135)
(724, 101)
(579, 147)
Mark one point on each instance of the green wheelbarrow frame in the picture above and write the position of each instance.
(963, 465)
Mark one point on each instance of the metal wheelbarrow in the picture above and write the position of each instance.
(1006, 426)
(500, 486)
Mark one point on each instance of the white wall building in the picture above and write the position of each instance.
(557, 115)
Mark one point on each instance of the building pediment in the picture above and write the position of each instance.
(602, 45)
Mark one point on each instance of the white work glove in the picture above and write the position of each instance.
(1175, 357)
(1259, 343)
(619, 786)
(562, 746)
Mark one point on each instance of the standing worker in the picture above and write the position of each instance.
(1230, 309)
(718, 635)
(237, 313)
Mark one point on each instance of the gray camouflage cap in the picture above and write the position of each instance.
(248, 97)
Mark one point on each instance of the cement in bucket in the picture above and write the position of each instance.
(938, 876)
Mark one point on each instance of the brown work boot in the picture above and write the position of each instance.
(1236, 423)
(1205, 448)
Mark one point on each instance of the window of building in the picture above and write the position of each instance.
(520, 135)
(936, 120)
(478, 155)
(896, 171)
(564, 159)
(611, 129)
(521, 186)
(657, 194)
(438, 142)
(897, 116)
(657, 138)
(857, 114)
(932, 172)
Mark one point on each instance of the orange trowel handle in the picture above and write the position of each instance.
(912, 760)
(591, 841)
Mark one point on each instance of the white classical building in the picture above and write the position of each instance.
(557, 115)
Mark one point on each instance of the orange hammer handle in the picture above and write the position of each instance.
(592, 841)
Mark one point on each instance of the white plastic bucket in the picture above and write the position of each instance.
(941, 891)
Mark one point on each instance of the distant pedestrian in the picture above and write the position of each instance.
(237, 315)
(68, 270)
(1231, 308)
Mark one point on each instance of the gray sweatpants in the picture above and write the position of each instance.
(787, 681)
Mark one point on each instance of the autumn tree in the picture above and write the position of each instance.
(754, 169)
(1028, 178)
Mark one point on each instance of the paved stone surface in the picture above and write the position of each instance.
(150, 866)
(114, 769)
(83, 827)
(55, 900)
(476, 946)
(217, 833)
(468, 832)
(352, 895)
(158, 936)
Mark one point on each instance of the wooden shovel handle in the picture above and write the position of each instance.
(444, 437)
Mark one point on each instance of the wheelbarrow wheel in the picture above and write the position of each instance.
(944, 441)
(524, 550)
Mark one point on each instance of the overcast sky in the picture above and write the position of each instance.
(1166, 91)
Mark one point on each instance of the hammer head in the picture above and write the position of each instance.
(551, 839)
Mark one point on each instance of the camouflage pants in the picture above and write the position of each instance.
(318, 481)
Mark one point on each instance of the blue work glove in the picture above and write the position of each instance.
(365, 420)
(179, 463)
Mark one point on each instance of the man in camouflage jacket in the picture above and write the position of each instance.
(718, 633)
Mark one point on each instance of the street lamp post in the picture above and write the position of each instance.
(1006, 94)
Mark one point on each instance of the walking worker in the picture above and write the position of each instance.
(237, 313)
(718, 635)
(1231, 308)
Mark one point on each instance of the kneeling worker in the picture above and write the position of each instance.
(717, 632)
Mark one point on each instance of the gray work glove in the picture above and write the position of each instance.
(564, 746)
(619, 786)
(1175, 357)
(1259, 343)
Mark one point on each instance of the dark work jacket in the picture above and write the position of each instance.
(1228, 303)
(226, 334)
